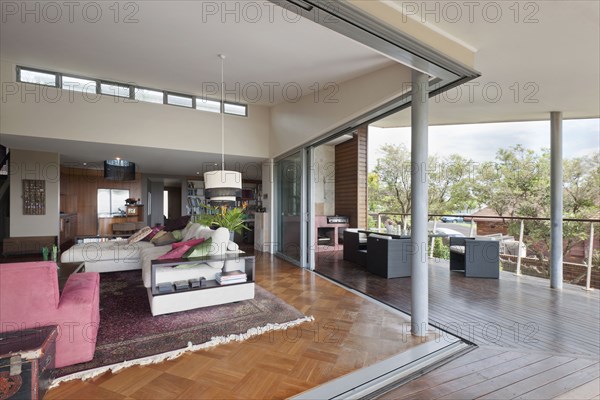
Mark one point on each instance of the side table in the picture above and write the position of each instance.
(211, 293)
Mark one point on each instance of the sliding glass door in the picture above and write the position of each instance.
(290, 207)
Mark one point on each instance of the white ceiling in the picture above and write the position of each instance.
(173, 45)
(554, 58)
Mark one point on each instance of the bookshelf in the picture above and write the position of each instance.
(195, 199)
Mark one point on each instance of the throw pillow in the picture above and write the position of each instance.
(177, 223)
(192, 232)
(188, 243)
(165, 239)
(177, 235)
(185, 230)
(153, 233)
(180, 248)
(139, 235)
(199, 250)
(158, 235)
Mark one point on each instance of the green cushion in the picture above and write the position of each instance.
(199, 250)
(165, 239)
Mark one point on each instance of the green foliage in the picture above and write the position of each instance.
(440, 250)
(223, 216)
(516, 183)
(450, 182)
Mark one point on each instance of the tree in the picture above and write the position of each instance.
(517, 183)
(393, 172)
(390, 184)
(450, 184)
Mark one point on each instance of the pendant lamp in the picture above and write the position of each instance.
(222, 187)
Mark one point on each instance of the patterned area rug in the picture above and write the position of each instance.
(130, 335)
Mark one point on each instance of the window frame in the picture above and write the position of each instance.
(132, 89)
(123, 85)
(164, 94)
(191, 97)
(57, 76)
(234, 104)
(78, 77)
(201, 99)
(110, 200)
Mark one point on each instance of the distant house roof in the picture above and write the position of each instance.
(484, 212)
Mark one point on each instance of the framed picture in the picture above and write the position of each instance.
(34, 197)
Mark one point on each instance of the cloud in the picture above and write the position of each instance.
(480, 142)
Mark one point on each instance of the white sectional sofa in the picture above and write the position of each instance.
(118, 255)
(109, 256)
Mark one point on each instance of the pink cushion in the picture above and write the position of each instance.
(189, 243)
(180, 248)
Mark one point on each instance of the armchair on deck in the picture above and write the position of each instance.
(478, 258)
(389, 257)
(29, 298)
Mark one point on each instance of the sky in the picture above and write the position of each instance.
(480, 142)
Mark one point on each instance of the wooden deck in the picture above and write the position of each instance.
(534, 342)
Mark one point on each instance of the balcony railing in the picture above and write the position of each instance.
(524, 242)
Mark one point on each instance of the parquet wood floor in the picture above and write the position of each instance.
(535, 342)
(349, 332)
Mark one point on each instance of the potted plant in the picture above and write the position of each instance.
(225, 217)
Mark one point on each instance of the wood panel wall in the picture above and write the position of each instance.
(79, 194)
(351, 178)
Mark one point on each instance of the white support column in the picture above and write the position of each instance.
(419, 198)
(556, 201)
(588, 278)
(520, 245)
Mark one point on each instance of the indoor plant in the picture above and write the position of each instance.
(226, 217)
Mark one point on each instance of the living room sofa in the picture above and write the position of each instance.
(29, 298)
(119, 255)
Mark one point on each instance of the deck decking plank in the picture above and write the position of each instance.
(488, 312)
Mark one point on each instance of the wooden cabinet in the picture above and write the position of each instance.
(68, 227)
(135, 211)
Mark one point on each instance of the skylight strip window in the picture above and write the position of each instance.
(79, 84)
(94, 86)
(149, 95)
(115, 89)
(208, 105)
(180, 100)
(236, 109)
(38, 77)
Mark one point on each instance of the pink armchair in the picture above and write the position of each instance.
(29, 298)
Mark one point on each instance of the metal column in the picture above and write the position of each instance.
(556, 201)
(419, 196)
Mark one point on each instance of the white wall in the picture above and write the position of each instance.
(39, 111)
(324, 177)
(294, 124)
(36, 165)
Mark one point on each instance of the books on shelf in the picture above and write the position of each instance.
(230, 277)
(181, 285)
(165, 287)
